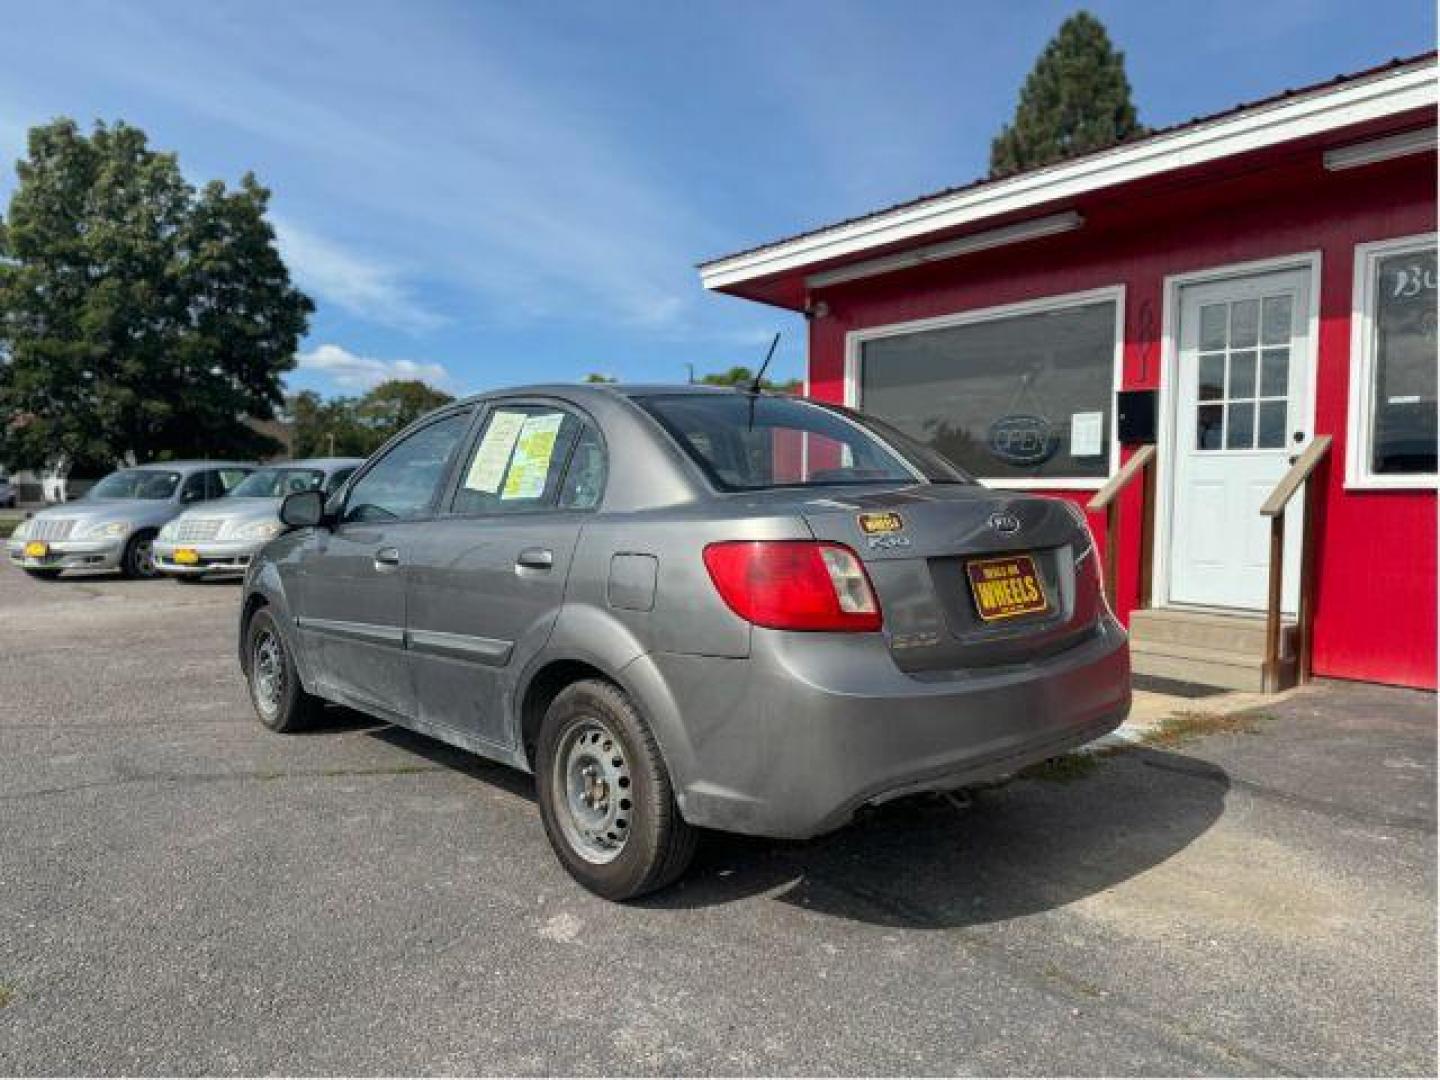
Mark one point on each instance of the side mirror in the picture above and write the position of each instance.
(303, 509)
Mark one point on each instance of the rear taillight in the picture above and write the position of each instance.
(794, 584)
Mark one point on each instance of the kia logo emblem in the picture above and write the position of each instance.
(1004, 523)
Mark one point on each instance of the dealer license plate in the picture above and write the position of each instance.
(186, 556)
(37, 549)
(1006, 586)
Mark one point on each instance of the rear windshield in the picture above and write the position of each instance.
(277, 483)
(747, 442)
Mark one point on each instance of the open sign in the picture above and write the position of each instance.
(1023, 439)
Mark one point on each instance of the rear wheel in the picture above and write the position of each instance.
(605, 795)
(280, 701)
(139, 558)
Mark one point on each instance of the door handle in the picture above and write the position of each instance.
(535, 559)
(387, 559)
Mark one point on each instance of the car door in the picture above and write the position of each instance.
(353, 576)
(488, 576)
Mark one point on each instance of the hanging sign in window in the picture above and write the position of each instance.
(530, 464)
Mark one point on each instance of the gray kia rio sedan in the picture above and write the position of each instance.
(686, 608)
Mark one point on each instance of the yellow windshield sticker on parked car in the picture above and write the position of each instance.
(530, 464)
(488, 468)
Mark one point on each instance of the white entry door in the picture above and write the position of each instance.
(1241, 413)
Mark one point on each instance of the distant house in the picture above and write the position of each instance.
(1267, 274)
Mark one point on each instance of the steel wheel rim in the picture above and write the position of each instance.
(267, 672)
(144, 557)
(595, 797)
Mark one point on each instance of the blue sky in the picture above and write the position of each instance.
(483, 194)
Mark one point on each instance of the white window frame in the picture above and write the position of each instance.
(1360, 420)
(856, 339)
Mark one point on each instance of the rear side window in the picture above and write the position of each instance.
(745, 442)
(403, 483)
(519, 463)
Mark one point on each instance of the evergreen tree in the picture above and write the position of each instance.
(1075, 100)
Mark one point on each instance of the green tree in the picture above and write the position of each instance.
(743, 376)
(139, 318)
(357, 427)
(597, 377)
(1076, 99)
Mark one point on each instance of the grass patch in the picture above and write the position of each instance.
(6, 996)
(1186, 727)
(8, 526)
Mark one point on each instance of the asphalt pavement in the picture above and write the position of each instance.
(184, 892)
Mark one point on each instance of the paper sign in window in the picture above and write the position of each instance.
(530, 464)
(488, 467)
(1087, 434)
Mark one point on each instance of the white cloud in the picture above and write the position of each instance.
(362, 286)
(353, 372)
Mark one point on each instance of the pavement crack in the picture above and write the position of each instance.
(262, 775)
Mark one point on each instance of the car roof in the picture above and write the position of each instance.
(315, 463)
(580, 391)
(189, 466)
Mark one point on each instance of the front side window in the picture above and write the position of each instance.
(403, 484)
(747, 442)
(520, 460)
(136, 484)
(1394, 443)
(1014, 397)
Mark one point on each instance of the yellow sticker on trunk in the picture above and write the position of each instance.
(888, 522)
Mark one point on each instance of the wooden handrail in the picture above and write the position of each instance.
(1300, 471)
(1107, 499)
(1121, 480)
(1302, 468)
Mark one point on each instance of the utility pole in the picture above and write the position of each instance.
(332, 444)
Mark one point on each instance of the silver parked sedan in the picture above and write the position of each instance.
(687, 607)
(221, 538)
(114, 526)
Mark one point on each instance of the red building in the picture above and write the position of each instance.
(1269, 272)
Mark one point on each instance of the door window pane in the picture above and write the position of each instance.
(1244, 324)
(1001, 398)
(1402, 437)
(404, 482)
(1212, 326)
(1276, 327)
(1208, 420)
(1242, 374)
(1271, 434)
(518, 461)
(1212, 377)
(1240, 426)
(1274, 372)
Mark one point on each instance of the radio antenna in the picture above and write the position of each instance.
(759, 375)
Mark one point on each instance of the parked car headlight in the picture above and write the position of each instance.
(259, 530)
(21, 531)
(103, 529)
(170, 531)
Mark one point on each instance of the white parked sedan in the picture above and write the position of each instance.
(222, 537)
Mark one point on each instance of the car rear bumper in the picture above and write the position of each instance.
(214, 558)
(71, 555)
(792, 741)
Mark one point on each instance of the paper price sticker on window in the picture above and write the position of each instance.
(530, 463)
(488, 468)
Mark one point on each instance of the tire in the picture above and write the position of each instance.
(631, 840)
(138, 562)
(42, 575)
(279, 700)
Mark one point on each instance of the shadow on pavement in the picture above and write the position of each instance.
(1020, 848)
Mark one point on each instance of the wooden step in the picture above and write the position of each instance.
(1208, 648)
(1232, 633)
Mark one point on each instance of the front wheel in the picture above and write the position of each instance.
(139, 558)
(605, 795)
(280, 701)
